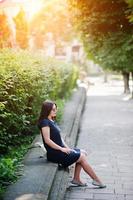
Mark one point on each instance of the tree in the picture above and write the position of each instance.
(54, 17)
(21, 29)
(106, 33)
(130, 10)
(5, 32)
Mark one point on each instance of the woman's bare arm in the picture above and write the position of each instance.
(64, 143)
(49, 142)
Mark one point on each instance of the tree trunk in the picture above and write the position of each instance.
(126, 82)
(105, 77)
(132, 83)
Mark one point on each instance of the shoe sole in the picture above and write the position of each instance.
(100, 186)
(79, 184)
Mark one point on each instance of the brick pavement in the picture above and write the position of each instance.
(107, 134)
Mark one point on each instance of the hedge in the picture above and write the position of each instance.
(26, 80)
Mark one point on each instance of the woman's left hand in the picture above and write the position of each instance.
(66, 150)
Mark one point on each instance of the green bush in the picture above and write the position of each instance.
(26, 80)
(7, 169)
(11, 166)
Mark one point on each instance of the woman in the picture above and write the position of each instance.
(58, 151)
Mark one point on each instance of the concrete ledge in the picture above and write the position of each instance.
(41, 179)
(76, 107)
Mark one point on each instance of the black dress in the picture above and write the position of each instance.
(54, 155)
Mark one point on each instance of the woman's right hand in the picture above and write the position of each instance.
(66, 150)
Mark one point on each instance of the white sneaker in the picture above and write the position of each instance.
(100, 185)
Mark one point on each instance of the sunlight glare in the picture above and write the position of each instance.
(32, 7)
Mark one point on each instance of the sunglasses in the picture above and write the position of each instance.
(54, 109)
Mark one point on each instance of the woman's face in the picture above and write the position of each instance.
(53, 111)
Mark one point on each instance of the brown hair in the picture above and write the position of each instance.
(46, 109)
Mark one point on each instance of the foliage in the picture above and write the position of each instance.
(11, 166)
(26, 81)
(105, 32)
(130, 10)
(21, 29)
(5, 31)
(116, 52)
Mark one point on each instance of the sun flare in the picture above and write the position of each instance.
(32, 7)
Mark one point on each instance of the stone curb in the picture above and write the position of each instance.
(62, 176)
(41, 179)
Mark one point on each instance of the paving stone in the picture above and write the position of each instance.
(106, 133)
(128, 197)
(81, 195)
(107, 197)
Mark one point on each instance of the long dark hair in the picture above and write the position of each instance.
(45, 110)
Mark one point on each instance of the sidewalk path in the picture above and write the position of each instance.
(107, 134)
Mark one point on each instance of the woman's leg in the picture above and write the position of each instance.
(87, 168)
(78, 168)
(77, 171)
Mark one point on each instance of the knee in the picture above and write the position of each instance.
(84, 152)
(82, 158)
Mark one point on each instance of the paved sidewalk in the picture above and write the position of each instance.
(107, 134)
